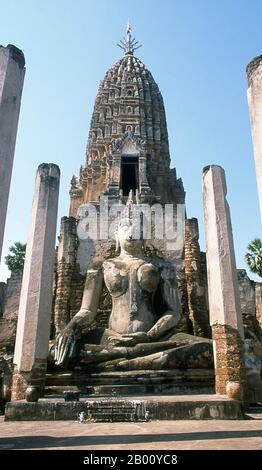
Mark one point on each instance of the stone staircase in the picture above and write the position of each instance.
(132, 383)
(115, 410)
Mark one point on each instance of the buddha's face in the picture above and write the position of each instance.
(128, 238)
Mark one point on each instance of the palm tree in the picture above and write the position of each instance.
(254, 256)
(16, 258)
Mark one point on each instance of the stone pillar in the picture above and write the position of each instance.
(224, 303)
(12, 71)
(33, 328)
(143, 181)
(114, 184)
(66, 258)
(197, 304)
(254, 96)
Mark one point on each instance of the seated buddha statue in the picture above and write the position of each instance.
(146, 308)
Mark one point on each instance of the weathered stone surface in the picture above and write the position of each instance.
(224, 302)
(229, 366)
(253, 364)
(12, 73)
(258, 295)
(253, 335)
(249, 306)
(175, 381)
(8, 325)
(32, 393)
(197, 301)
(2, 297)
(254, 96)
(33, 328)
(10, 313)
(128, 409)
(6, 370)
(247, 297)
(223, 290)
(196, 355)
(66, 261)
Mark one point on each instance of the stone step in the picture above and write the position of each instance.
(125, 390)
(115, 390)
(59, 390)
(192, 381)
(131, 378)
(60, 378)
(142, 408)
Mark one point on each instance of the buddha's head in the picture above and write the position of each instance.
(128, 237)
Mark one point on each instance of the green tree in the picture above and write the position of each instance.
(254, 256)
(16, 258)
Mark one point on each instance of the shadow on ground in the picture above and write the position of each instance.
(36, 442)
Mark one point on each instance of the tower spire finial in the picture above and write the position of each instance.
(129, 44)
(129, 27)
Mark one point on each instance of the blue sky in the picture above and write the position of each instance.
(197, 51)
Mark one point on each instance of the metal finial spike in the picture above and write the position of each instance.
(128, 28)
(122, 47)
(129, 44)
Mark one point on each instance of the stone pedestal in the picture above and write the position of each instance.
(12, 71)
(33, 328)
(224, 303)
(117, 409)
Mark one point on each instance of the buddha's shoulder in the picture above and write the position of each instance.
(159, 262)
(111, 263)
(166, 267)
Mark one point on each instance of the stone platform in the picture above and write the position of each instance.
(127, 409)
(130, 383)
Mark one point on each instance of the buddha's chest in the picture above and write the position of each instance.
(136, 275)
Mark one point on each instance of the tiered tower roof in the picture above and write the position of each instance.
(128, 103)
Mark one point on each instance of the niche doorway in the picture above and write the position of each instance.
(129, 179)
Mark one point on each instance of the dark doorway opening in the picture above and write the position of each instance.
(129, 174)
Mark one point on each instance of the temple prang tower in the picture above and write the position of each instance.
(12, 72)
(128, 141)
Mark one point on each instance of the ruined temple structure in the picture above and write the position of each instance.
(127, 150)
(128, 154)
(140, 322)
